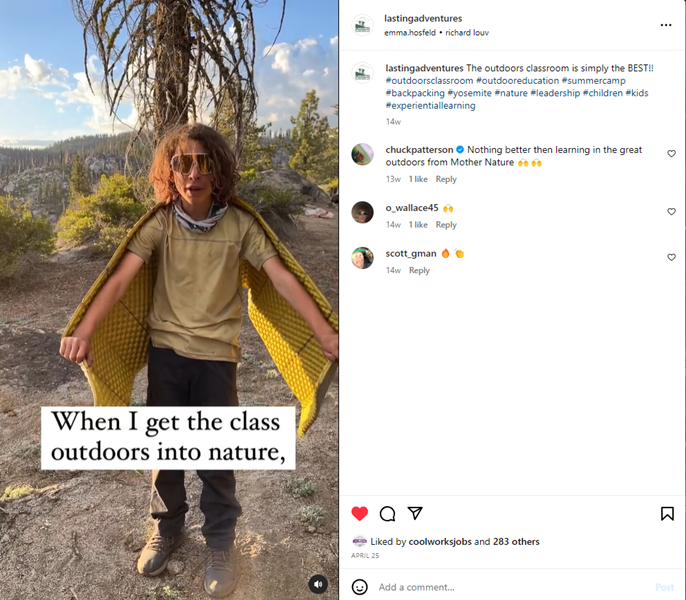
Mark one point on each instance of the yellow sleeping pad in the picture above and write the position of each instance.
(120, 343)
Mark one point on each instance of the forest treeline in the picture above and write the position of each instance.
(60, 154)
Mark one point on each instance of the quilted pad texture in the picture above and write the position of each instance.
(121, 341)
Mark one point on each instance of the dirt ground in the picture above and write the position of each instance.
(76, 535)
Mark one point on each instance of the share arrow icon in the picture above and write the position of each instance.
(415, 510)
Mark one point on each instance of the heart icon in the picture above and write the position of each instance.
(360, 512)
(671, 211)
(669, 256)
(671, 153)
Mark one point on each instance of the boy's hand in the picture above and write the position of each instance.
(76, 349)
(329, 344)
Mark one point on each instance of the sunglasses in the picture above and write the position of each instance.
(183, 163)
(362, 213)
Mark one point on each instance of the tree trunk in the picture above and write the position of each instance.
(172, 66)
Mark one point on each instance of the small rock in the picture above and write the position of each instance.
(175, 567)
(5, 539)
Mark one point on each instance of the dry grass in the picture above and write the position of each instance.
(14, 492)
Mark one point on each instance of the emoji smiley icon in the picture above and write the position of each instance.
(359, 587)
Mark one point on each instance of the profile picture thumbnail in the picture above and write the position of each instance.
(362, 212)
(362, 258)
(362, 154)
(362, 72)
(363, 25)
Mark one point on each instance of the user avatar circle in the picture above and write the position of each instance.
(362, 258)
(362, 212)
(362, 154)
(359, 587)
(362, 72)
(363, 25)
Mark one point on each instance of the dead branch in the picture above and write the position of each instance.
(74, 547)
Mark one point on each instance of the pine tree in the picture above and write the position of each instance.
(330, 158)
(78, 180)
(182, 52)
(254, 153)
(309, 138)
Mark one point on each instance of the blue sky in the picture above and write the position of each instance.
(43, 94)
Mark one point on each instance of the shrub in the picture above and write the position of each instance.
(27, 451)
(312, 517)
(301, 488)
(169, 591)
(279, 208)
(248, 175)
(102, 219)
(23, 237)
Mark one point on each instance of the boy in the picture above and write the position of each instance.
(199, 238)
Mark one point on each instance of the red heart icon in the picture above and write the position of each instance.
(360, 512)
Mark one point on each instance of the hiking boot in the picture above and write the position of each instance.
(155, 556)
(220, 578)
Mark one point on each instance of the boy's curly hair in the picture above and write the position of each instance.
(224, 162)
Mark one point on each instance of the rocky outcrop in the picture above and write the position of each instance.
(106, 164)
(288, 179)
(24, 187)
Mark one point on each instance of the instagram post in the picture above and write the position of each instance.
(169, 263)
(515, 427)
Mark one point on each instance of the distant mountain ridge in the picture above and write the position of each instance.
(38, 177)
(14, 160)
(27, 144)
(59, 154)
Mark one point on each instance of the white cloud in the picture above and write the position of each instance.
(81, 94)
(10, 81)
(40, 73)
(285, 54)
(35, 75)
(38, 76)
(100, 120)
(283, 77)
(289, 71)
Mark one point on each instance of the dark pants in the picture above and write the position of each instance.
(175, 380)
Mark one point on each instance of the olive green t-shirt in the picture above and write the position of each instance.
(196, 308)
